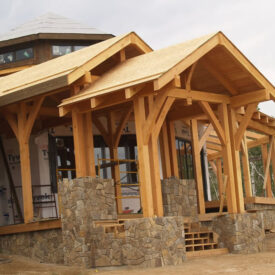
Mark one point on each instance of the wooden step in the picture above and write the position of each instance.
(197, 240)
(203, 246)
(205, 253)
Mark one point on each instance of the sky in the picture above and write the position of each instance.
(249, 24)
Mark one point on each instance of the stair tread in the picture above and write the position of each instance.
(199, 244)
(199, 232)
(210, 252)
(195, 239)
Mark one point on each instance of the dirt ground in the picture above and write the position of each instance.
(261, 263)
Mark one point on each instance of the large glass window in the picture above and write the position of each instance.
(185, 160)
(18, 55)
(59, 50)
(7, 58)
(24, 54)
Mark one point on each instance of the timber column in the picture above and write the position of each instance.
(143, 160)
(83, 144)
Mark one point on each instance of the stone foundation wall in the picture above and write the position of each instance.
(83, 201)
(179, 198)
(146, 242)
(240, 233)
(268, 218)
(45, 246)
(257, 206)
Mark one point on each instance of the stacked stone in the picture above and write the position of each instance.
(240, 233)
(83, 201)
(180, 198)
(148, 242)
(45, 246)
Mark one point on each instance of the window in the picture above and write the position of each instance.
(24, 54)
(7, 58)
(59, 50)
(18, 55)
(185, 161)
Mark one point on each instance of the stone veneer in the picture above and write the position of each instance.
(180, 198)
(45, 246)
(83, 201)
(146, 242)
(240, 233)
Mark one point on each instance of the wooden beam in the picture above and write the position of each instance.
(266, 161)
(143, 160)
(246, 169)
(235, 151)
(213, 119)
(205, 135)
(219, 176)
(83, 144)
(219, 76)
(249, 98)
(197, 166)
(190, 75)
(227, 160)
(124, 119)
(186, 62)
(198, 95)
(102, 131)
(34, 226)
(172, 148)
(243, 124)
(165, 154)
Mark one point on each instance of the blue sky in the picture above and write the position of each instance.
(249, 24)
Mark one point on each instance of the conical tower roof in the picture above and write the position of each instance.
(50, 24)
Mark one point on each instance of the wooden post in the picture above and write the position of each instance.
(83, 144)
(172, 149)
(22, 126)
(246, 169)
(197, 165)
(165, 154)
(114, 155)
(219, 176)
(236, 160)
(267, 180)
(143, 160)
(227, 161)
(273, 161)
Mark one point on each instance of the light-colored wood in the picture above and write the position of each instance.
(13, 70)
(199, 95)
(266, 155)
(143, 160)
(165, 155)
(34, 226)
(212, 146)
(246, 169)
(12, 120)
(234, 130)
(172, 148)
(227, 161)
(102, 131)
(197, 165)
(244, 62)
(273, 162)
(205, 135)
(190, 56)
(223, 193)
(219, 176)
(219, 76)
(243, 124)
(83, 144)
(251, 97)
(260, 200)
(189, 76)
(213, 119)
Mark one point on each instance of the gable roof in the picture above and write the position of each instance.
(163, 65)
(62, 71)
(50, 23)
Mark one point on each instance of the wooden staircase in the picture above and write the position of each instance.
(199, 241)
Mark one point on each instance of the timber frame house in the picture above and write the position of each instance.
(206, 82)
